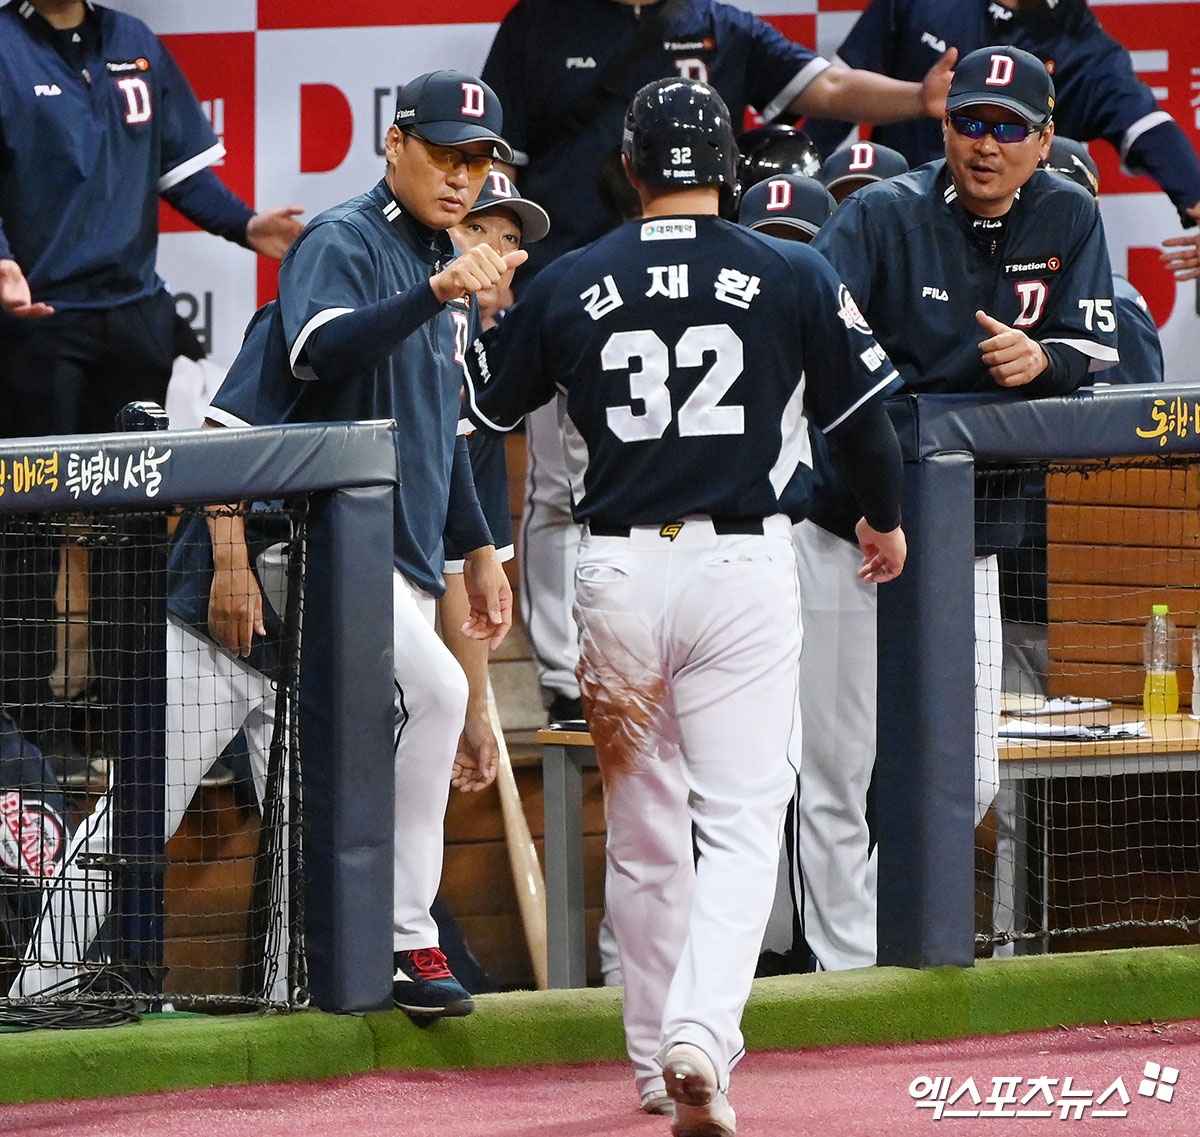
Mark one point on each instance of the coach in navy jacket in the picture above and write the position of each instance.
(96, 122)
(1099, 96)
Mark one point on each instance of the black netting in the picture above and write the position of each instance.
(1090, 836)
(149, 780)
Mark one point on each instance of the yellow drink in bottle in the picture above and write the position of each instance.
(1161, 693)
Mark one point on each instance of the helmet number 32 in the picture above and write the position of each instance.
(701, 412)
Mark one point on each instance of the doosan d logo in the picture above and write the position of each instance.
(472, 100)
(862, 156)
(779, 194)
(1002, 71)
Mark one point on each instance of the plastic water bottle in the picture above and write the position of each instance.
(1161, 693)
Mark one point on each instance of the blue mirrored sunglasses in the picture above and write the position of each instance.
(1000, 131)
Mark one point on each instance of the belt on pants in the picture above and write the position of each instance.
(722, 526)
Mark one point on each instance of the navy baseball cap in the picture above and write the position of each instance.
(450, 108)
(499, 192)
(787, 199)
(1071, 159)
(861, 162)
(1003, 77)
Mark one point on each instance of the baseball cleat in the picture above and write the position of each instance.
(690, 1076)
(716, 1119)
(425, 987)
(657, 1101)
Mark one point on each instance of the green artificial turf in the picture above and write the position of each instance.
(875, 1005)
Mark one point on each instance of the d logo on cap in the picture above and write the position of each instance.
(473, 100)
(1002, 71)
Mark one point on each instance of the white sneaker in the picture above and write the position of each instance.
(716, 1119)
(690, 1076)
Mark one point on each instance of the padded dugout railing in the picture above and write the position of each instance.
(349, 472)
(924, 776)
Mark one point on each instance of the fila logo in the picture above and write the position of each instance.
(934, 42)
(501, 186)
(137, 97)
(862, 156)
(934, 293)
(1002, 71)
(779, 194)
(580, 62)
(47, 89)
(472, 100)
(1000, 12)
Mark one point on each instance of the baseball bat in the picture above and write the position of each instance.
(522, 856)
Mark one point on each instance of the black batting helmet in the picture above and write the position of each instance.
(774, 149)
(678, 133)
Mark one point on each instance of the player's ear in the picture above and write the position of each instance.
(392, 143)
(1047, 138)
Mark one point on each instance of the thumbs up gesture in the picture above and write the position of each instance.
(1011, 357)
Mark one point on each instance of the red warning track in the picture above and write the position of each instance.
(849, 1091)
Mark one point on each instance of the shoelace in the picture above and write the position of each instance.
(427, 964)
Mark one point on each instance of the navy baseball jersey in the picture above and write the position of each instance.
(547, 56)
(1097, 93)
(89, 137)
(358, 253)
(920, 266)
(681, 344)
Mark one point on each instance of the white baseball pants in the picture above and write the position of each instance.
(689, 659)
(832, 877)
(549, 549)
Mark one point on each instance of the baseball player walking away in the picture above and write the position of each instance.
(981, 272)
(565, 74)
(688, 354)
(373, 320)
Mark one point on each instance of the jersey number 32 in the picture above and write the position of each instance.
(701, 412)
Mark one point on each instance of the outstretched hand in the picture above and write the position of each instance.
(936, 84)
(272, 232)
(1183, 259)
(1011, 357)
